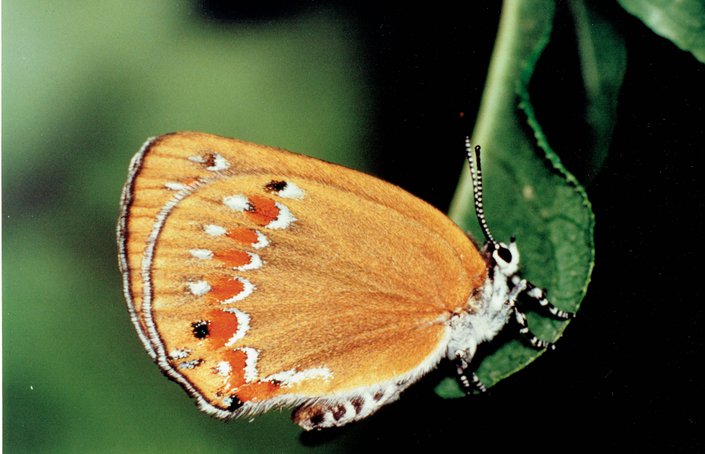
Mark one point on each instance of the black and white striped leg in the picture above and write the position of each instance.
(535, 342)
(522, 286)
(539, 296)
(471, 383)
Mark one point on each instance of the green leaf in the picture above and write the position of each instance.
(682, 22)
(527, 190)
(603, 58)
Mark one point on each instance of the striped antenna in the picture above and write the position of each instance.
(476, 172)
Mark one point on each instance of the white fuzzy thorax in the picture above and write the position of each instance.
(472, 328)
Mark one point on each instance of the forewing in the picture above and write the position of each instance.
(260, 276)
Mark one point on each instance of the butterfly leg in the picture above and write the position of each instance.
(524, 286)
(538, 295)
(524, 330)
(469, 383)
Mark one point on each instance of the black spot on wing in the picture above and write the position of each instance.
(275, 186)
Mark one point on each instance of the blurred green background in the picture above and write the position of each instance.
(84, 85)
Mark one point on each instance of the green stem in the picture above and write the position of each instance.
(499, 99)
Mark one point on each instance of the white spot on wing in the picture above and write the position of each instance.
(199, 288)
(247, 289)
(179, 353)
(255, 263)
(223, 368)
(262, 240)
(190, 364)
(175, 186)
(292, 376)
(237, 202)
(214, 230)
(220, 163)
(252, 356)
(291, 191)
(284, 220)
(243, 325)
(203, 254)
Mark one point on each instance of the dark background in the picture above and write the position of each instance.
(626, 373)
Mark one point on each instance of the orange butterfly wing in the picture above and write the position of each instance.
(258, 277)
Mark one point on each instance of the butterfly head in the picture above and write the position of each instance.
(503, 257)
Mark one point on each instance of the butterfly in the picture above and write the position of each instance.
(257, 278)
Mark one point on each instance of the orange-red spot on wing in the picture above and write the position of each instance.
(263, 210)
(237, 359)
(223, 325)
(225, 288)
(260, 390)
(254, 391)
(243, 235)
(233, 258)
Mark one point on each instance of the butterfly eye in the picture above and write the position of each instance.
(504, 254)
